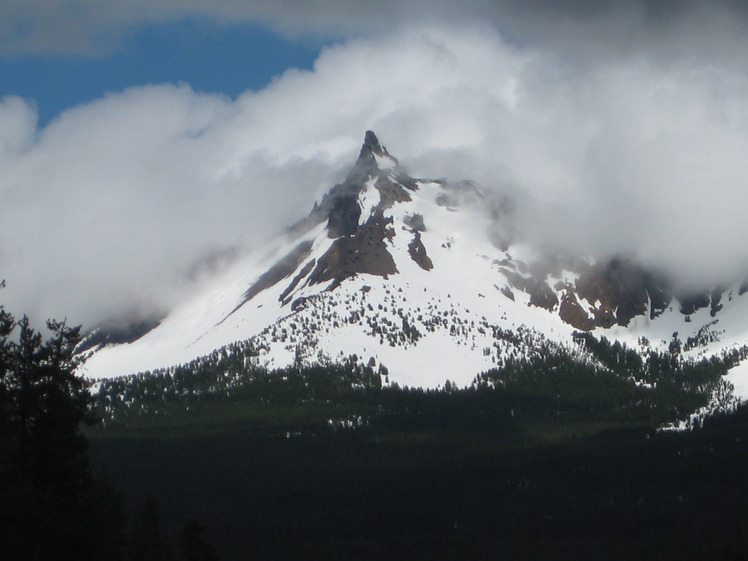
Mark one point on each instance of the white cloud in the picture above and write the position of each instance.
(114, 203)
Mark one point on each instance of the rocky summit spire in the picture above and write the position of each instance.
(340, 205)
(371, 149)
(371, 146)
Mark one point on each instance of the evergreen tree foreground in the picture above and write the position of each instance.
(52, 505)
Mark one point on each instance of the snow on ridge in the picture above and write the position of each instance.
(424, 326)
(462, 288)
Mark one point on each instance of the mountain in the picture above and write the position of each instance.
(424, 281)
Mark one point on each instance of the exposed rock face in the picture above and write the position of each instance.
(692, 302)
(716, 298)
(415, 222)
(616, 292)
(282, 269)
(340, 206)
(604, 294)
(541, 295)
(361, 248)
(620, 290)
(386, 264)
(572, 313)
(357, 248)
(371, 147)
(390, 192)
(296, 280)
(343, 217)
(418, 253)
(279, 271)
(363, 252)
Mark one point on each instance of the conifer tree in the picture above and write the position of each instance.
(49, 497)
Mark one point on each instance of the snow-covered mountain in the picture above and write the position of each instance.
(423, 280)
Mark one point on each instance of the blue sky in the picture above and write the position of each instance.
(210, 57)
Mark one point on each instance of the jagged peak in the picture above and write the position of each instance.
(372, 152)
(371, 146)
(340, 205)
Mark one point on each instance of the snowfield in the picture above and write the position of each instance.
(420, 326)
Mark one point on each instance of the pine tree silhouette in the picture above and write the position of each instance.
(52, 505)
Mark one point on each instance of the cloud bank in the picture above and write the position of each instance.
(94, 27)
(614, 140)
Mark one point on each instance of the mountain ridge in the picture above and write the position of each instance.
(402, 272)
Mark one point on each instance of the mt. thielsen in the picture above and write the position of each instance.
(425, 281)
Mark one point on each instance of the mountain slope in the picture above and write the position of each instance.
(419, 278)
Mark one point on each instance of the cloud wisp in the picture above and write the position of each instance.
(113, 206)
